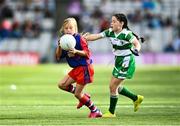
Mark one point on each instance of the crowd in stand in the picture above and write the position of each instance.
(23, 18)
(145, 13)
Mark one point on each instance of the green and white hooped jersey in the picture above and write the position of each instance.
(121, 42)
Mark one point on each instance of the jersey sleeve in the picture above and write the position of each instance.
(84, 46)
(130, 37)
(106, 32)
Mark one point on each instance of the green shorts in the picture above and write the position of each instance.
(124, 67)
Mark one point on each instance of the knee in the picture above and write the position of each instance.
(61, 85)
(113, 89)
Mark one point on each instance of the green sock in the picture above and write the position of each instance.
(124, 91)
(113, 102)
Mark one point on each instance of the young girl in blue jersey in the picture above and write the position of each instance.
(82, 70)
(123, 40)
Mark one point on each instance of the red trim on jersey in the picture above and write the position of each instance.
(84, 46)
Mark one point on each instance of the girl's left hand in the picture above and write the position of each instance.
(135, 52)
(72, 52)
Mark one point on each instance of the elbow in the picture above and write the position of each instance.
(139, 47)
(57, 57)
(58, 54)
(86, 54)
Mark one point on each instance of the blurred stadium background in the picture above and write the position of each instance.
(28, 28)
(29, 73)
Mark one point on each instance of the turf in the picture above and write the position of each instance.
(38, 101)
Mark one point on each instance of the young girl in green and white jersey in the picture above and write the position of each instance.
(125, 43)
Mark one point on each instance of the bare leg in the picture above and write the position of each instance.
(66, 84)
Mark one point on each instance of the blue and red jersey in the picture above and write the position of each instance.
(77, 60)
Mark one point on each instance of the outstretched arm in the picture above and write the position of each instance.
(92, 37)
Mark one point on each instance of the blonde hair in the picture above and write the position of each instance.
(67, 21)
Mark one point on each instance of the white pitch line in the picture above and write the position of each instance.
(119, 106)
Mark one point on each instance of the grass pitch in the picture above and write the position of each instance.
(29, 96)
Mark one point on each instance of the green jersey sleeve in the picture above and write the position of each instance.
(106, 33)
(130, 37)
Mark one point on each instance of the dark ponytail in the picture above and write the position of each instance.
(121, 17)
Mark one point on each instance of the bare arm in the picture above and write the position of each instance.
(58, 53)
(74, 51)
(71, 53)
(137, 45)
(84, 52)
(92, 37)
